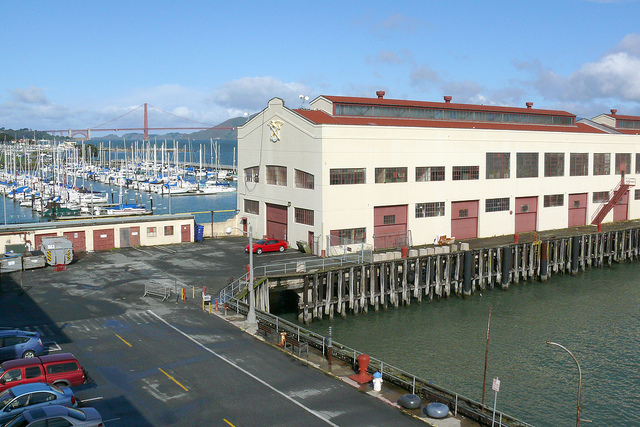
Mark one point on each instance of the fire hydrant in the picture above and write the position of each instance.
(377, 381)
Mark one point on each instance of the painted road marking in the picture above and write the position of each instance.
(52, 346)
(261, 381)
(122, 339)
(228, 422)
(173, 379)
(91, 399)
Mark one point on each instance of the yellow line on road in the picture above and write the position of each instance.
(173, 379)
(124, 340)
(228, 422)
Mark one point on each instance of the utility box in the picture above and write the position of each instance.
(57, 250)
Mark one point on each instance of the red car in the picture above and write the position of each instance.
(268, 245)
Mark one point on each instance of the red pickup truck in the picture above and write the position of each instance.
(59, 369)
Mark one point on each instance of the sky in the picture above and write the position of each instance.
(80, 64)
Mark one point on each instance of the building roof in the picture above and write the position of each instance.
(442, 105)
(321, 117)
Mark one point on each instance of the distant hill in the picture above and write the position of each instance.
(226, 130)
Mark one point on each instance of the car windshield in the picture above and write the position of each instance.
(261, 242)
(6, 397)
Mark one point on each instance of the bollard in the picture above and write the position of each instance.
(204, 290)
(217, 304)
(363, 364)
(330, 347)
(516, 238)
(210, 306)
(194, 291)
(377, 381)
(282, 339)
(225, 309)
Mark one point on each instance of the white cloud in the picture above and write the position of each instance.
(251, 94)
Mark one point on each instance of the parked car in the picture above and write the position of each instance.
(15, 400)
(16, 344)
(268, 245)
(57, 415)
(58, 369)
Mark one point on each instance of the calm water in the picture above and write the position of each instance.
(596, 315)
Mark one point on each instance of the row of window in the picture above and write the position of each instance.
(153, 231)
(277, 175)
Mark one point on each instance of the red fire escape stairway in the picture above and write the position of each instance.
(614, 197)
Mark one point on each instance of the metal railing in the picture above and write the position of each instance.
(458, 404)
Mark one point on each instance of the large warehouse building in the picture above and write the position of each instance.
(393, 173)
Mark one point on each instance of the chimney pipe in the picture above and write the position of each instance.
(529, 104)
(447, 99)
(613, 111)
(380, 94)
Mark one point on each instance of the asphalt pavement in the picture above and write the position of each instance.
(168, 363)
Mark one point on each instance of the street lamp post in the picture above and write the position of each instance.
(579, 379)
(251, 316)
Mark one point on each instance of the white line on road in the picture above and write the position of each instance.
(311, 411)
(91, 399)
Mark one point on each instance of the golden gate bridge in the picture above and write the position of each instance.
(86, 133)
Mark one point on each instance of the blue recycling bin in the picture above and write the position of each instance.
(199, 236)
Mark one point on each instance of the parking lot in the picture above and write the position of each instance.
(169, 363)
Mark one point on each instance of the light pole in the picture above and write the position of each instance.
(579, 379)
(251, 316)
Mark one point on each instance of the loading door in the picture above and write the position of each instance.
(134, 236)
(621, 208)
(577, 209)
(390, 226)
(464, 219)
(526, 214)
(124, 238)
(276, 221)
(39, 237)
(78, 239)
(103, 239)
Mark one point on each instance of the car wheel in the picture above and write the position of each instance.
(259, 251)
(29, 353)
(281, 249)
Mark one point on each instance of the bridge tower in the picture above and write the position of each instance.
(146, 123)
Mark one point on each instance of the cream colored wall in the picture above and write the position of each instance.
(318, 148)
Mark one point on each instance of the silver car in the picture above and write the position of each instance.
(57, 415)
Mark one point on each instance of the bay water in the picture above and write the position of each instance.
(595, 315)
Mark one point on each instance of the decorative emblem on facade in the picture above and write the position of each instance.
(275, 126)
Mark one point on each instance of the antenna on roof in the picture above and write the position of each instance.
(303, 98)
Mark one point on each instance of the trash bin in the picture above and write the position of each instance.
(199, 233)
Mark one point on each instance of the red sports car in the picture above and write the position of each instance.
(268, 245)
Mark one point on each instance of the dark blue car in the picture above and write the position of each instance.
(15, 344)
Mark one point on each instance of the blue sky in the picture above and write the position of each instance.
(78, 64)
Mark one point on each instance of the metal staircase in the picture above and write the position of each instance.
(615, 196)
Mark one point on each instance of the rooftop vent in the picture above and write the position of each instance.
(529, 104)
(447, 99)
(613, 111)
(380, 94)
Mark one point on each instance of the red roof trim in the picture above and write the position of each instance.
(443, 105)
(321, 117)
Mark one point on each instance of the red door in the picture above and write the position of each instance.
(103, 239)
(39, 238)
(464, 219)
(134, 238)
(621, 208)
(526, 214)
(276, 221)
(77, 239)
(577, 209)
(185, 232)
(390, 226)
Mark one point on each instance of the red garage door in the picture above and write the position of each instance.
(103, 239)
(526, 214)
(39, 239)
(276, 221)
(620, 210)
(390, 226)
(464, 219)
(577, 209)
(77, 239)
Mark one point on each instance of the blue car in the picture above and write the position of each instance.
(15, 344)
(16, 400)
(56, 415)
